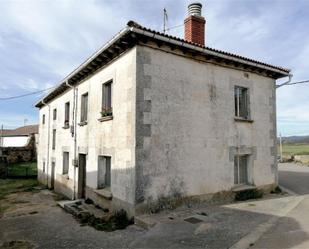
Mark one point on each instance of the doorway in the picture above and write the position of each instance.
(52, 178)
(81, 175)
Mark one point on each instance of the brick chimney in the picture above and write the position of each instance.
(195, 24)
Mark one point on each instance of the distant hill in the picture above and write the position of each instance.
(295, 140)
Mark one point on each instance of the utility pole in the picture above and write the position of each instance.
(164, 20)
(280, 139)
(1, 140)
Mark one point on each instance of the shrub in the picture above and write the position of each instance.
(248, 194)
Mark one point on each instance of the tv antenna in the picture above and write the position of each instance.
(165, 18)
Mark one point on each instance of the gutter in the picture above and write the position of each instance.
(74, 134)
(48, 141)
(287, 82)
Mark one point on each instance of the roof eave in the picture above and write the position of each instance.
(133, 28)
(280, 72)
(84, 65)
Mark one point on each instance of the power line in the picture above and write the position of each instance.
(293, 83)
(43, 90)
(173, 27)
(26, 94)
(298, 82)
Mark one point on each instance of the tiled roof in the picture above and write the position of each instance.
(136, 25)
(21, 131)
(134, 34)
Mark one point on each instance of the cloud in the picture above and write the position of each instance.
(42, 41)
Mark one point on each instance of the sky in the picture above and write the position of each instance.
(41, 41)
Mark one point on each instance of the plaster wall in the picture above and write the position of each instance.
(186, 132)
(14, 141)
(115, 138)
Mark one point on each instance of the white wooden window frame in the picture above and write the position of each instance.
(237, 91)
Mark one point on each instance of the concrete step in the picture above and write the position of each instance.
(144, 222)
(78, 207)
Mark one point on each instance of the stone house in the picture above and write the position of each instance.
(19, 145)
(151, 118)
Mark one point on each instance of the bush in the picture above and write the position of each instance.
(277, 190)
(118, 220)
(248, 194)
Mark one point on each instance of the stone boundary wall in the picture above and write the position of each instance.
(21, 154)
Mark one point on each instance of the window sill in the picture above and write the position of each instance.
(66, 127)
(105, 192)
(242, 187)
(106, 118)
(82, 123)
(66, 176)
(239, 119)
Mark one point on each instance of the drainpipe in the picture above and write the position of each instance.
(74, 133)
(48, 140)
(287, 82)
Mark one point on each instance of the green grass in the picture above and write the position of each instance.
(295, 149)
(9, 186)
(23, 169)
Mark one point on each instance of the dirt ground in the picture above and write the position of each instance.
(32, 219)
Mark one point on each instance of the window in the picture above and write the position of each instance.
(107, 109)
(43, 119)
(104, 172)
(84, 108)
(241, 102)
(65, 169)
(241, 169)
(55, 114)
(43, 167)
(54, 139)
(67, 114)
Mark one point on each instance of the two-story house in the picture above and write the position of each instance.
(151, 117)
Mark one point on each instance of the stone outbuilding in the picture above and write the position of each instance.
(19, 145)
(150, 119)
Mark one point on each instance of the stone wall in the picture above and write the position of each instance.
(21, 154)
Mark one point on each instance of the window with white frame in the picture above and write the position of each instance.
(65, 167)
(55, 114)
(67, 114)
(241, 169)
(241, 96)
(104, 172)
(84, 108)
(54, 139)
(107, 109)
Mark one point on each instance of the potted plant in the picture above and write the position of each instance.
(107, 112)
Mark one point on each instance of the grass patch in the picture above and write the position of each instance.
(22, 169)
(118, 220)
(248, 194)
(9, 186)
(294, 149)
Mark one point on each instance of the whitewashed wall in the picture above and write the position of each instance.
(192, 136)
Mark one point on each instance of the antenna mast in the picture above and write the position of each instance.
(164, 20)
